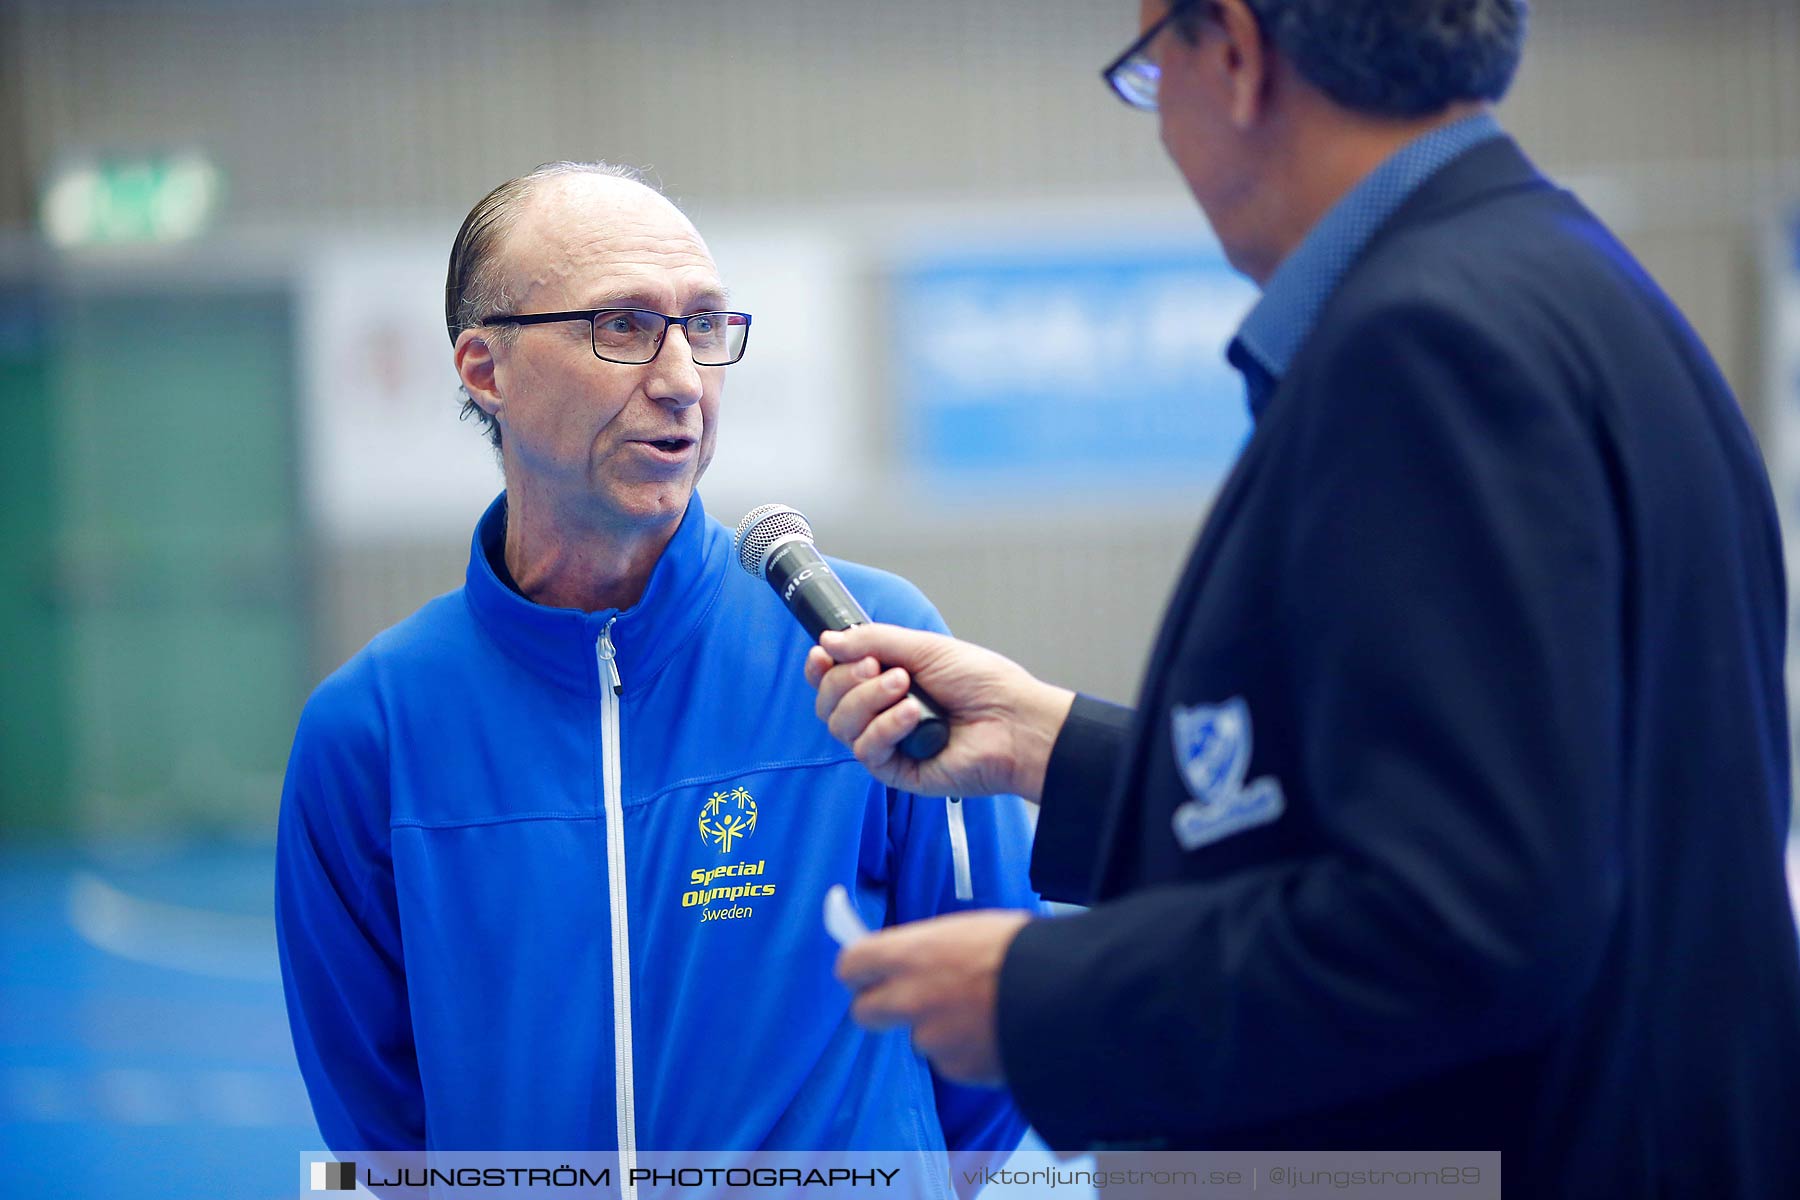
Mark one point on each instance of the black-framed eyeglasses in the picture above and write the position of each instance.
(1134, 76)
(634, 336)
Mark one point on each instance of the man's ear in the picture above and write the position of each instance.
(474, 356)
(1247, 62)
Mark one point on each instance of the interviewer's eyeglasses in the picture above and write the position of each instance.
(633, 336)
(1134, 76)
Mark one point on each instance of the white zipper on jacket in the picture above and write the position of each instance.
(624, 1085)
(959, 849)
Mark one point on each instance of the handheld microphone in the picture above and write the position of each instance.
(775, 543)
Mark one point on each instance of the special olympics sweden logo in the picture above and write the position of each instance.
(727, 816)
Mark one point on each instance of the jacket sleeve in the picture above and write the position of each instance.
(1078, 782)
(1451, 599)
(338, 929)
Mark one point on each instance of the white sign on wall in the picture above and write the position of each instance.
(386, 455)
(795, 424)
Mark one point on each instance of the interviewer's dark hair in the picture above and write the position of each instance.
(474, 289)
(1398, 58)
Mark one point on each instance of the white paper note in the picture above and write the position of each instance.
(841, 920)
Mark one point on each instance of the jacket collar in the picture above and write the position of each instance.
(1492, 168)
(1496, 165)
(561, 643)
(1297, 291)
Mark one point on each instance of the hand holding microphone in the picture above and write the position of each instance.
(1000, 720)
(775, 543)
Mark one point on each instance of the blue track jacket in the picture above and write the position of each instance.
(552, 880)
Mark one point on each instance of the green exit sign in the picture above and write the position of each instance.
(114, 201)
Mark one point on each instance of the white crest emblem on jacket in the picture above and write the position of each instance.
(1212, 752)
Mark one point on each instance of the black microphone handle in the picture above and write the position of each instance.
(820, 601)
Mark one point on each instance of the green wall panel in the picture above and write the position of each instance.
(35, 751)
(180, 547)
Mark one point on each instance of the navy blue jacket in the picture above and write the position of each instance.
(1452, 812)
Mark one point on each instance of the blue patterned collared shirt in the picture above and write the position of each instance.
(1272, 334)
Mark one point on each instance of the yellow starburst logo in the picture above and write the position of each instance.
(727, 816)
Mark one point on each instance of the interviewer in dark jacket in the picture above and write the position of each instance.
(1451, 813)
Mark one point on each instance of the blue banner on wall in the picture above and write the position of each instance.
(1097, 369)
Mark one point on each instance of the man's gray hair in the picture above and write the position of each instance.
(1399, 58)
(475, 289)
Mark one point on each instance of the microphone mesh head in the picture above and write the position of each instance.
(761, 528)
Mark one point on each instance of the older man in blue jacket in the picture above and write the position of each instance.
(553, 850)
(1451, 813)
